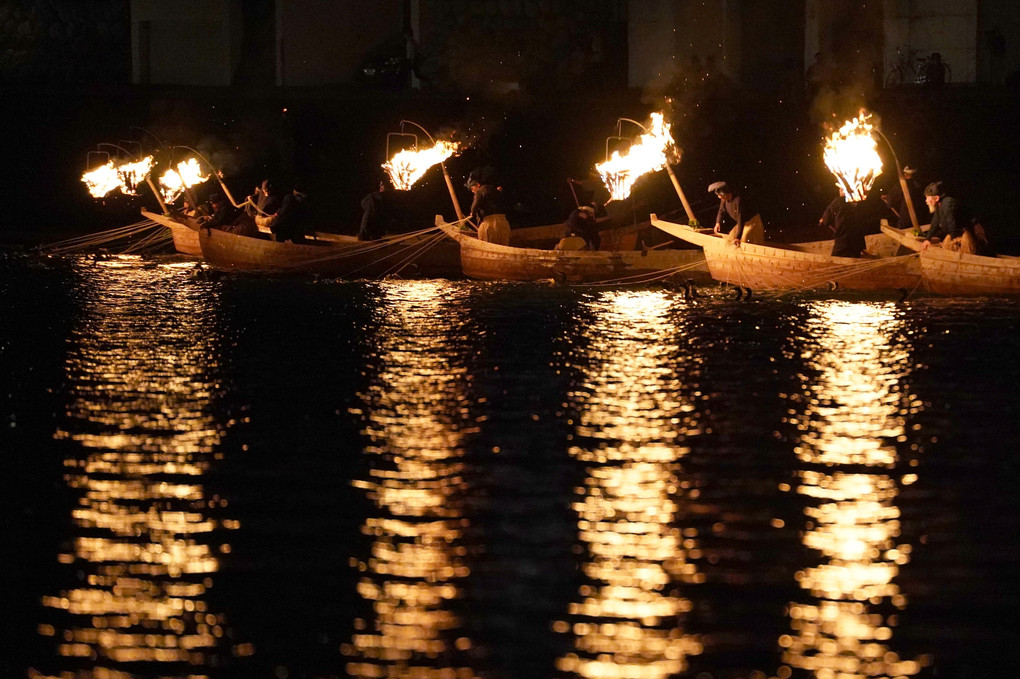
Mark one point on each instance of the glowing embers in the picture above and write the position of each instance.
(174, 181)
(851, 154)
(648, 153)
(409, 165)
(124, 176)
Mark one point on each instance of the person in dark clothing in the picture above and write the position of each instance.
(951, 225)
(848, 223)
(738, 209)
(947, 218)
(223, 213)
(897, 201)
(581, 222)
(377, 216)
(488, 209)
(293, 220)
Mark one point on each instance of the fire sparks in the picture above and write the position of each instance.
(408, 166)
(646, 154)
(851, 154)
(125, 176)
(188, 173)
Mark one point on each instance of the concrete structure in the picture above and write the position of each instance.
(764, 46)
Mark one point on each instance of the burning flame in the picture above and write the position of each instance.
(646, 154)
(109, 177)
(187, 174)
(851, 154)
(408, 166)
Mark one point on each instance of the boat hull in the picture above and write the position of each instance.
(184, 232)
(491, 262)
(955, 273)
(803, 266)
(331, 255)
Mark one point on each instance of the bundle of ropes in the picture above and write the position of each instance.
(143, 236)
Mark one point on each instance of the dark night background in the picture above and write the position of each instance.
(65, 71)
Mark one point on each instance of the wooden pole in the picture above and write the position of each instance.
(453, 194)
(909, 201)
(680, 192)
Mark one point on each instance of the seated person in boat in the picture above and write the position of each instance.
(950, 226)
(377, 215)
(223, 213)
(848, 222)
(487, 207)
(738, 209)
(293, 221)
(581, 223)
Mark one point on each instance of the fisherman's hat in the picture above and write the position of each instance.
(935, 189)
(715, 187)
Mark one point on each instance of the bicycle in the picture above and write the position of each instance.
(904, 71)
(929, 70)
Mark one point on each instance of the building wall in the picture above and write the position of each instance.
(920, 27)
(187, 42)
(323, 41)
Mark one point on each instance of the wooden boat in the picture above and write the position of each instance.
(183, 229)
(333, 255)
(491, 262)
(422, 254)
(801, 266)
(947, 272)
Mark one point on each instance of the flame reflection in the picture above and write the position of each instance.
(411, 419)
(142, 371)
(627, 621)
(848, 476)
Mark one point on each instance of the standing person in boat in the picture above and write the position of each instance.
(737, 208)
(488, 209)
(293, 221)
(848, 223)
(581, 222)
(377, 215)
(263, 201)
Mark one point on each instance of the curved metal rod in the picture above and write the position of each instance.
(903, 182)
(216, 173)
(669, 170)
(442, 165)
(148, 177)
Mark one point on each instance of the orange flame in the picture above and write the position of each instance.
(187, 174)
(851, 154)
(647, 154)
(407, 166)
(109, 177)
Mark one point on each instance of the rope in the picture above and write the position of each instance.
(105, 237)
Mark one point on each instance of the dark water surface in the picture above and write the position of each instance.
(217, 476)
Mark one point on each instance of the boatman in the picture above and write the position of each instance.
(950, 225)
(734, 207)
(848, 223)
(487, 207)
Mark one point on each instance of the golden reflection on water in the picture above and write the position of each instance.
(848, 477)
(416, 565)
(141, 372)
(627, 620)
